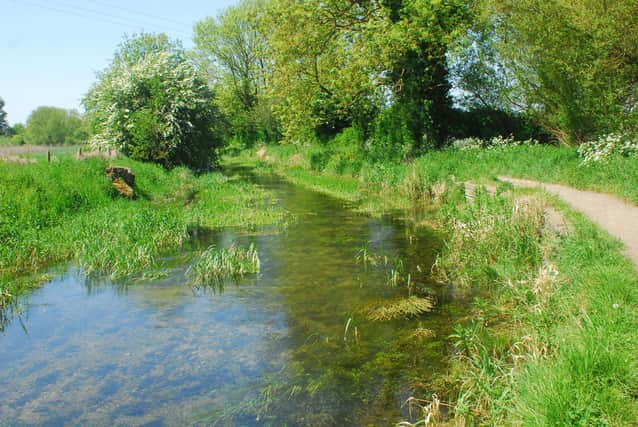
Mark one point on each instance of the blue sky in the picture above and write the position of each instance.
(51, 49)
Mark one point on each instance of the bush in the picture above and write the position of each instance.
(153, 106)
(605, 147)
(391, 139)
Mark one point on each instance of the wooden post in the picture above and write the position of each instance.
(49, 156)
(80, 152)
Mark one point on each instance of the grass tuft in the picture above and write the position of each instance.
(214, 265)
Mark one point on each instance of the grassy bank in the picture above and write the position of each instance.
(616, 176)
(68, 210)
(555, 343)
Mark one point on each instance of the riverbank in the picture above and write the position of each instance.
(68, 210)
(555, 343)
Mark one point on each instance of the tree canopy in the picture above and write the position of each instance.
(232, 50)
(574, 63)
(54, 126)
(153, 105)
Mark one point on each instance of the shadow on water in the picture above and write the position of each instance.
(291, 345)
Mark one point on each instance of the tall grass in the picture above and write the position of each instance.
(68, 210)
(553, 340)
(491, 239)
(216, 264)
(541, 162)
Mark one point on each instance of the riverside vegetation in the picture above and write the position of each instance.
(68, 210)
(552, 341)
(427, 97)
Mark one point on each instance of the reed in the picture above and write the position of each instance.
(215, 265)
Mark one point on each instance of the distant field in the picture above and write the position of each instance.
(26, 150)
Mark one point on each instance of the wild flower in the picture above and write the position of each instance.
(607, 146)
(473, 143)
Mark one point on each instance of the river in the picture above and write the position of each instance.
(292, 345)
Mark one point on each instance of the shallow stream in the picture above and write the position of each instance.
(291, 345)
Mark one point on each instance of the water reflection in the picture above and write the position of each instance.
(271, 349)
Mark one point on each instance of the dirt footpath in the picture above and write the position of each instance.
(618, 217)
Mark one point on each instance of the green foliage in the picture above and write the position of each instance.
(152, 105)
(392, 138)
(327, 59)
(570, 62)
(232, 48)
(18, 134)
(53, 126)
(4, 125)
(419, 69)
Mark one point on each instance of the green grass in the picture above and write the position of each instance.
(543, 163)
(363, 181)
(553, 339)
(216, 264)
(68, 210)
(592, 376)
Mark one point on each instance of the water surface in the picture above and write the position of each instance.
(271, 349)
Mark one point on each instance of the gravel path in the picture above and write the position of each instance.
(618, 217)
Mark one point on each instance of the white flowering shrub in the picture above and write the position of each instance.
(152, 106)
(607, 146)
(474, 143)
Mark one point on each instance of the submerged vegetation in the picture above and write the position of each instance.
(407, 307)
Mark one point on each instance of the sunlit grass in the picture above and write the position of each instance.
(553, 341)
(216, 264)
(68, 210)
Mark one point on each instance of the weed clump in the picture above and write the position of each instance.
(214, 264)
(408, 307)
(490, 240)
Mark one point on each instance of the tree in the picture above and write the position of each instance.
(232, 48)
(53, 126)
(4, 125)
(575, 63)
(419, 69)
(17, 134)
(339, 63)
(329, 62)
(152, 104)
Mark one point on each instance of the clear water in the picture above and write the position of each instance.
(271, 349)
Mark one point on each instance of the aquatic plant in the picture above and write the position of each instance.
(408, 307)
(215, 264)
